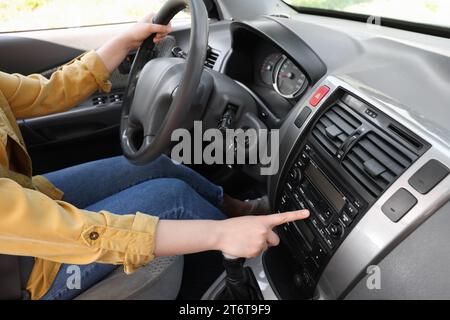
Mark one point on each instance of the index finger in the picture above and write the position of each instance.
(282, 218)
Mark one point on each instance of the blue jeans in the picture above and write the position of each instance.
(162, 188)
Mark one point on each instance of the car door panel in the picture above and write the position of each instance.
(86, 133)
(71, 138)
(27, 56)
(42, 50)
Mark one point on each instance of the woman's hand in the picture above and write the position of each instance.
(248, 237)
(116, 50)
(140, 31)
(245, 237)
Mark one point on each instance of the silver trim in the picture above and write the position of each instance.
(260, 274)
(258, 270)
(375, 235)
(275, 80)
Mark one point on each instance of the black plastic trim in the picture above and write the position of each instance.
(294, 47)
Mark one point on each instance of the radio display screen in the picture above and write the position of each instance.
(325, 187)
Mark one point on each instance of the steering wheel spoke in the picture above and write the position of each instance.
(151, 110)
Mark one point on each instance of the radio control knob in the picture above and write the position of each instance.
(299, 175)
(336, 231)
(294, 174)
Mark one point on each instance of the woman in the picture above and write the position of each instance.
(81, 230)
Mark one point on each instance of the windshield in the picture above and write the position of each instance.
(29, 15)
(433, 12)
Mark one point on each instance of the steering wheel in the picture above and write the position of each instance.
(161, 91)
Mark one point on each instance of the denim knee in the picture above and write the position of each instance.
(178, 187)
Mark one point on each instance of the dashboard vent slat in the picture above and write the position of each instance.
(360, 176)
(375, 163)
(371, 153)
(334, 128)
(211, 58)
(340, 123)
(355, 123)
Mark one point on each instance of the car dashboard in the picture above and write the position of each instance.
(364, 133)
(279, 73)
(269, 73)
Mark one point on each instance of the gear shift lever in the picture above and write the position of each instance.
(237, 281)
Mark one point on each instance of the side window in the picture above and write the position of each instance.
(30, 15)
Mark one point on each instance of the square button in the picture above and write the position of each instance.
(429, 176)
(304, 115)
(319, 95)
(399, 205)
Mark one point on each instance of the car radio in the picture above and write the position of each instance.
(334, 210)
(348, 158)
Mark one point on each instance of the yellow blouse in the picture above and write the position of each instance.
(34, 220)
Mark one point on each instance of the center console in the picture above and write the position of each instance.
(334, 210)
(369, 176)
(350, 154)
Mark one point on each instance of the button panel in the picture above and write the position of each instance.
(316, 239)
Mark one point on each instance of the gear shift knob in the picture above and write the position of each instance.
(234, 269)
(236, 280)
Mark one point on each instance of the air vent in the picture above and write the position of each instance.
(334, 128)
(376, 163)
(211, 58)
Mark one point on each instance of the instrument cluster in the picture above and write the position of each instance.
(285, 76)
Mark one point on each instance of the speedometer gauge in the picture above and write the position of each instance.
(289, 80)
(268, 68)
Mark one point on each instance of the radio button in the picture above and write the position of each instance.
(293, 174)
(300, 164)
(290, 188)
(346, 220)
(302, 191)
(319, 254)
(315, 223)
(322, 233)
(305, 157)
(328, 214)
(323, 219)
(299, 202)
(358, 204)
(336, 231)
(296, 175)
(284, 199)
(351, 211)
(325, 238)
(329, 243)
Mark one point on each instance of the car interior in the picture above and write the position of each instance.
(363, 118)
